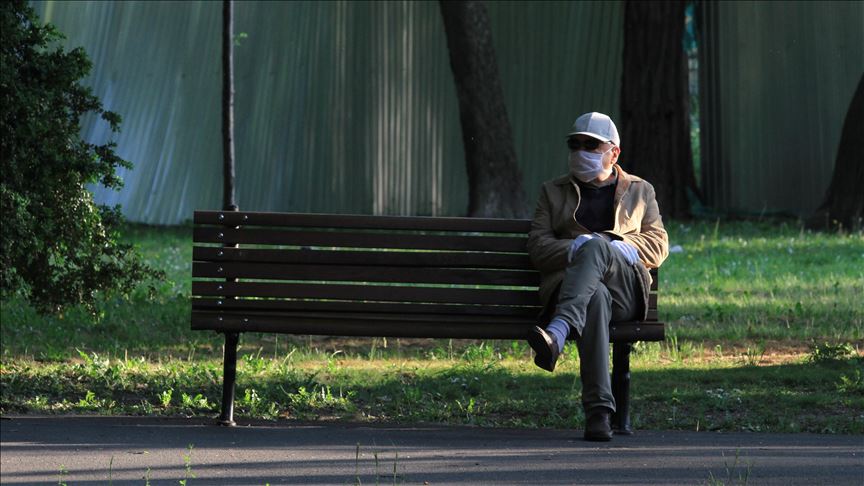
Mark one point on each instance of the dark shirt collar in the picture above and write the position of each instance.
(610, 182)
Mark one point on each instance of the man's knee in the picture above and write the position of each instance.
(596, 244)
(593, 247)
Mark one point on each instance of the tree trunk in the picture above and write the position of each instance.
(655, 114)
(494, 179)
(228, 201)
(844, 200)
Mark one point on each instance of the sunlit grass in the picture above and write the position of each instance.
(756, 281)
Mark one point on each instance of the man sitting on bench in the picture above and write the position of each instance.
(595, 232)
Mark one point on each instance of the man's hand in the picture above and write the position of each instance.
(629, 251)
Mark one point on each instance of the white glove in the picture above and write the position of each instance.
(579, 241)
(629, 251)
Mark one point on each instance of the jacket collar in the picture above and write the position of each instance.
(624, 181)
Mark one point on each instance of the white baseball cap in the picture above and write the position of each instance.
(596, 125)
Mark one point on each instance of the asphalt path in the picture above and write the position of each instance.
(85, 450)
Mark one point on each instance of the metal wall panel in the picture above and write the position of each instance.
(777, 79)
(344, 107)
(350, 107)
(557, 60)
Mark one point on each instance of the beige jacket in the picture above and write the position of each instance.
(637, 221)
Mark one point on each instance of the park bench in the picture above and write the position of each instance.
(383, 276)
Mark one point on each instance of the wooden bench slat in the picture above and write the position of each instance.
(232, 305)
(637, 331)
(381, 293)
(433, 259)
(340, 324)
(253, 218)
(512, 244)
(359, 273)
(372, 317)
(450, 259)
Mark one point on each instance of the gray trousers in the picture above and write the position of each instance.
(599, 287)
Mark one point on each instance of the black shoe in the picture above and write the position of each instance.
(597, 426)
(546, 347)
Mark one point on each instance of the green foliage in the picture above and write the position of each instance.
(165, 397)
(736, 469)
(58, 247)
(63, 472)
(852, 383)
(187, 467)
(820, 353)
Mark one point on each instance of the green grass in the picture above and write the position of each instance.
(136, 325)
(763, 281)
(483, 386)
(765, 333)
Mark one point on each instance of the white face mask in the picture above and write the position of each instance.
(587, 166)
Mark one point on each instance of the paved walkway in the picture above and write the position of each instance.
(33, 450)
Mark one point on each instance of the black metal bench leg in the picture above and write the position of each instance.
(621, 388)
(229, 377)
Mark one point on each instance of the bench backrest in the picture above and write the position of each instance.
(363, 275)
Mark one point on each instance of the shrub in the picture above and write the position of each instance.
(826, 352)
(58, 247)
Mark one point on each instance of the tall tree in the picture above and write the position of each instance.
(228, 201)
(655, 115)
(844, 201)
(494, 179)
